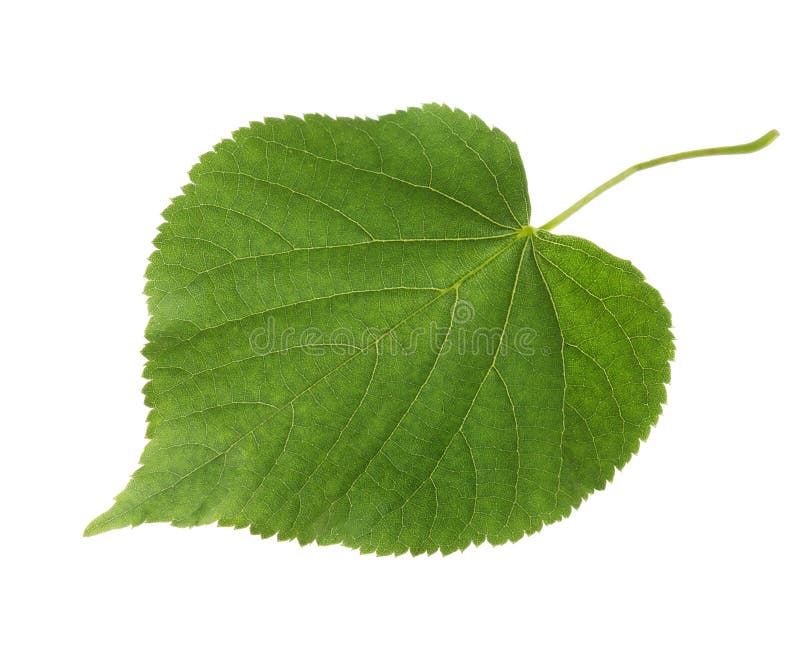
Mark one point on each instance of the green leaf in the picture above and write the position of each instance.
(356, 338)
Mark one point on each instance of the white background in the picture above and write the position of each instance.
(694, 546)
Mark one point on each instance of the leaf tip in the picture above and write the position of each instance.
(93, 528)
(100, 524)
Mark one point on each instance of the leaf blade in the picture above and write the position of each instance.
(436, 424)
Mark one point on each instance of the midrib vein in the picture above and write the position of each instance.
(99, 523)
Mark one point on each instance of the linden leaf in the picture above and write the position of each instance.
(356, 338)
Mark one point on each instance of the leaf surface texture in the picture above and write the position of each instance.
(355, 338)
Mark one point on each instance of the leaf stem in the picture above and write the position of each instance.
(744, 148)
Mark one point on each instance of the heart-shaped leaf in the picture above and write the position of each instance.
(357, 338)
